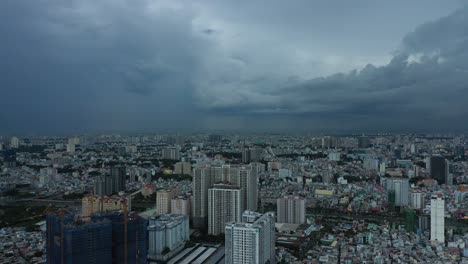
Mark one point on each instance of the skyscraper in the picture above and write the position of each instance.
(251, 155)
(110, 184)
(135, 241)
(291, 210)
(119, 177)
(246, 178)
(92, 204)
(181, 205)
(200, 184)
(170, 153)
(69, 241)
(183, 168)
(163, 201)
(400, 186)
(439, 169)
(438, 217)
(242, 177)
(225, 204)
(417, 200)
(251, 241)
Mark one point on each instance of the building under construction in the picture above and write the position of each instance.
(115, 237)
(129, 237)
(71, 241)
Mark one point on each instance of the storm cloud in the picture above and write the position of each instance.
(75, 66)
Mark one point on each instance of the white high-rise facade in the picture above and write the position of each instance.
(417, 200)
(225, 204)
(251, 241)
(163, 201)
(437, 217)
(167, 231)
(291, 209)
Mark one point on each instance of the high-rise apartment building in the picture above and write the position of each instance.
(181, 205)
(251, 155)
(111, 184)
(242, 177)
(291, 209)
(183, 168)
(100, 240)
(224, 205)
(201, 182)
(417, 200)
(119, 177)
(170, 153)
(251, 241)
(167, 235)
(84, 243)
(246, 178)
(163, 201)
(439, 169)
(400, 187)
(92, 204)
(438, 217)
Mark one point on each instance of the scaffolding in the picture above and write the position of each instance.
(69, 240)
(129, 237)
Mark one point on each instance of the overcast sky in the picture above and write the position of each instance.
(273, 65)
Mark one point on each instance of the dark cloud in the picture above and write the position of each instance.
(149, 64)
(424, 84)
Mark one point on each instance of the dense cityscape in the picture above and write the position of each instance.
(226, 198)
(233, 132)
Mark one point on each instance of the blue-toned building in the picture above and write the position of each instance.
(100, 240)
(70, 241)
(137, 237)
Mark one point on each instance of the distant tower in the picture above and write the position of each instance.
(170, 153)
(118, 175)
(400, 186)
(439, 169)
(363, 142)
(291, 210)
(14, 142)
(437, 217)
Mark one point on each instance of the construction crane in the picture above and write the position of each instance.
(62, 216)
(125, 210)
(48, 211)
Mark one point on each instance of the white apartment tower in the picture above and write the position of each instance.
(251, 241)
(224, 205)
(437, 217)
(163, 201)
